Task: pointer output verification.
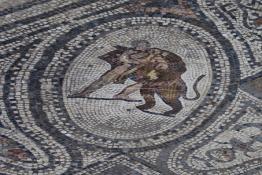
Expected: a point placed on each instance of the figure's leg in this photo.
(170, 96)
(128, 90)
(85, 91)
(176, 105)
(105, 79)
(148, 94)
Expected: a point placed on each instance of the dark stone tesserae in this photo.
(130, 87)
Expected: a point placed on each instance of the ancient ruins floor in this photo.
(130, 87)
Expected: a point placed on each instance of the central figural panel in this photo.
(137, 82)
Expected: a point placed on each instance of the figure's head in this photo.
(140, 44)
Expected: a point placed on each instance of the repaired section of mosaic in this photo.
(131, 87)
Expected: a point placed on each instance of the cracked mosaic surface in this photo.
(116, 87)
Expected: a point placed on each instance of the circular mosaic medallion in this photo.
(107, 116)
(138, 82)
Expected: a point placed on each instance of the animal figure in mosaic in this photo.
(154, 71)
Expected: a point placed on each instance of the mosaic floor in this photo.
(131, 87)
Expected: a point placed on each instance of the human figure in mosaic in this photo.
(154, 71)
(123, 61)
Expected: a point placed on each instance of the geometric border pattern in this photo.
(41, 38)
